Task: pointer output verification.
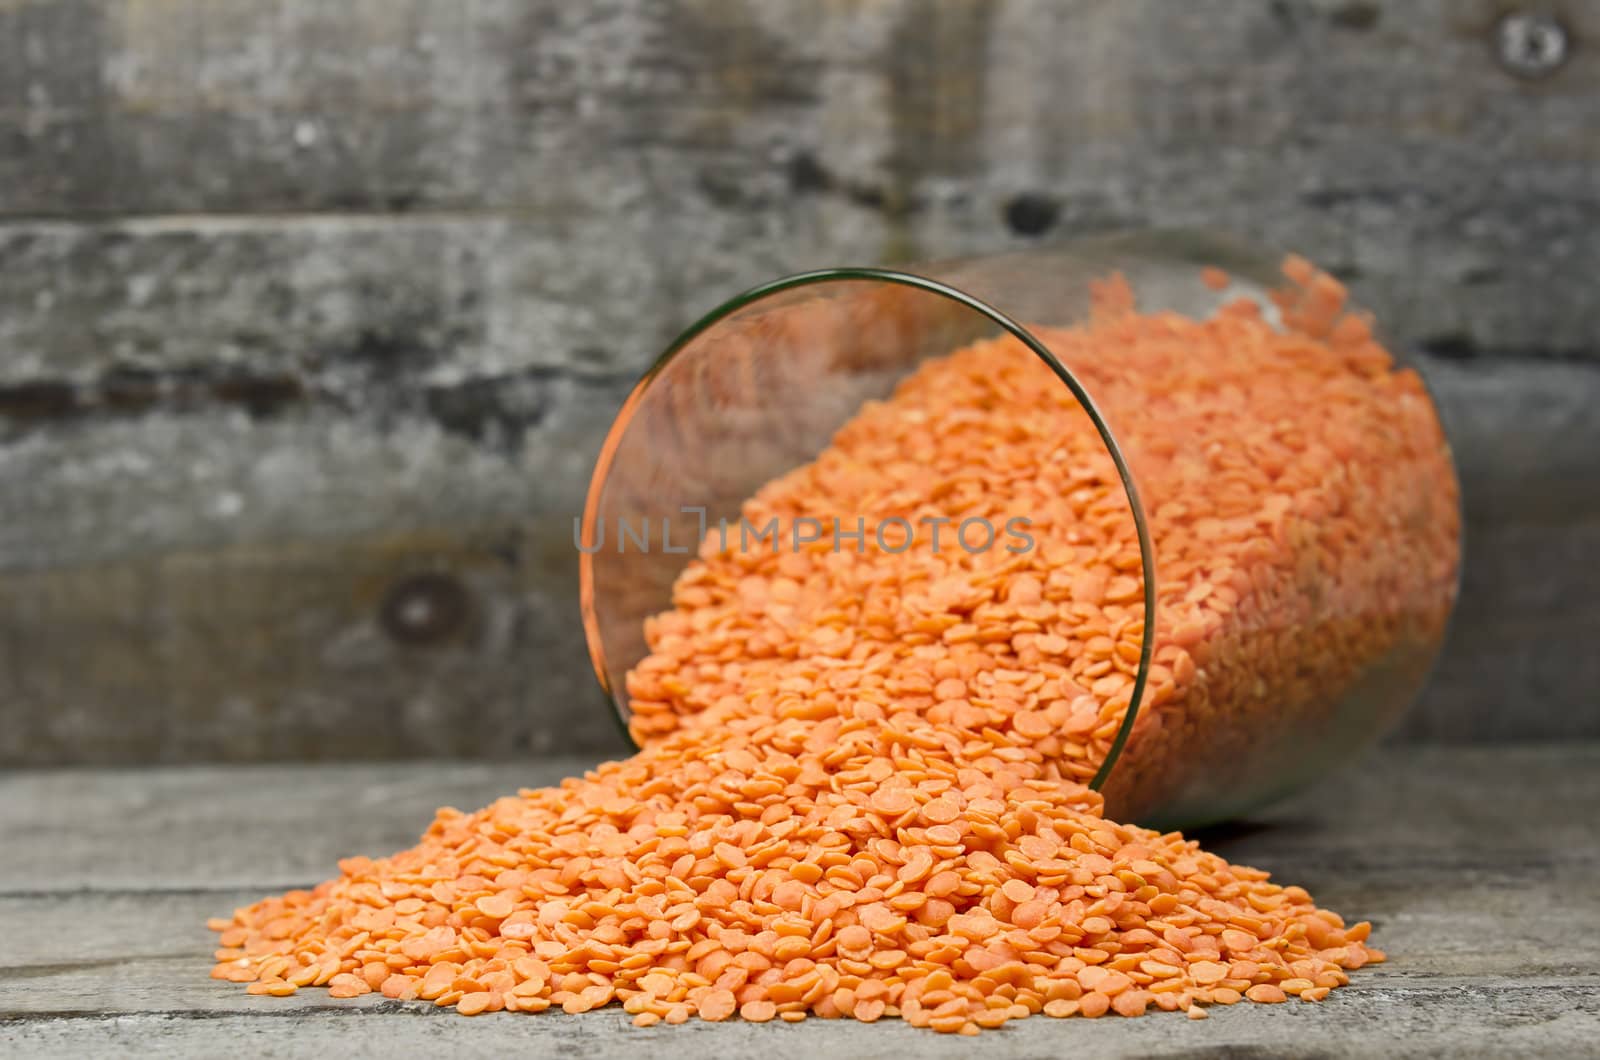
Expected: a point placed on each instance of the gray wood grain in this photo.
(230, 827)
(214, 586)
(1527, 449)
(721, 141)
(331, 303)
(1540, 1019)
(1477, 888)
(300, 301)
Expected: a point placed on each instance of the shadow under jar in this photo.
(1157, 506)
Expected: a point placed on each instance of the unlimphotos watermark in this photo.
(894, 535)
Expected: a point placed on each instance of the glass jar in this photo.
(1220, 527)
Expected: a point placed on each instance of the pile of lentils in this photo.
(863, 790)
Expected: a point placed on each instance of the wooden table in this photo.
(1479, 867)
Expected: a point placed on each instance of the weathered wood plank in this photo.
(383, 646)
(121, 106)
(299, 301)
(1522, 635)
(213, 585)
(236, 827)
(1455, 1020)
(741, 139)
(404, 458)
(1527, 447)
(63, 950)
(230, 573)
(231, 828)
(604, 291)
(1482, 903)
(342, 301)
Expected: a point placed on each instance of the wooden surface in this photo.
(300, 301)
(349, 162)
(1476, 866)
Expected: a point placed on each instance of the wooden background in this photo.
(312, 314)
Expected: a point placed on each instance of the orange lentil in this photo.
(862, 785)
(1094, 1004)
(1017, 890)
(1131, 1003)
(1268, 456)
(717, 1005)
(497, 906)
(757, 1011)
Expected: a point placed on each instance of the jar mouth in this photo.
(635, 400)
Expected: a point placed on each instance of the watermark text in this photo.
(894, 535)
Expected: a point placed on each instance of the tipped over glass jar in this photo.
(1160, 504)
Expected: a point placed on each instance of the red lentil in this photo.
(1300, 499)
(861, 789)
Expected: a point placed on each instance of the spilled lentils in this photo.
(1305, 522)
(861, 790)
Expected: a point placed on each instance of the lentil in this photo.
(1299, 496)
(861, 789)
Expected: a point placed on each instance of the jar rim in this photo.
(796, 281)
